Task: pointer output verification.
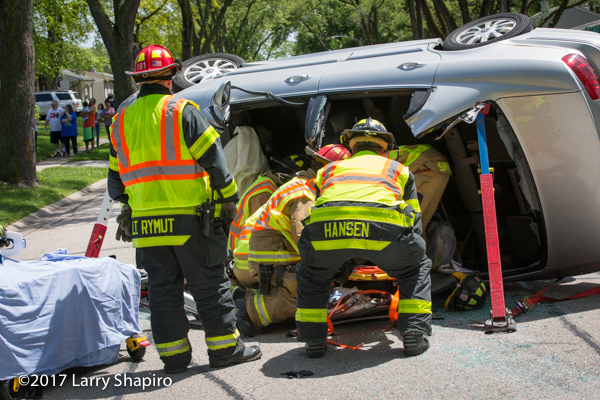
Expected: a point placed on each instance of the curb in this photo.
(52, 212)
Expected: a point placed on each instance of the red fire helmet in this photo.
(153, 58)
(334, 152)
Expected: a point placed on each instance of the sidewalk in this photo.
(68, 223)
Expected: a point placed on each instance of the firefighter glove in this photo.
(124, 229)
(228, 211)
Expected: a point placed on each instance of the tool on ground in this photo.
(500, 319)
(99, 231)
(526, 304)
(297, 374)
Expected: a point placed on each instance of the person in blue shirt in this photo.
(69, 130)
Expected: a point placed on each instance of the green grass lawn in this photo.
(100, 153)
(55, 184)
(46, 149)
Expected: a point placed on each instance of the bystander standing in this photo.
(69, 130)
(98, 120)
(108, 113)
(53, 119)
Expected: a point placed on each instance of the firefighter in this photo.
(367, 208)
(431, 172)
(167, 169)
(272, 247)
(255, 196)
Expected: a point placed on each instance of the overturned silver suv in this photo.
(543, 134)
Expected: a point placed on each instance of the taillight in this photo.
(586, 74)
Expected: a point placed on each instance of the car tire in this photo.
(474, 34)
(206, 66)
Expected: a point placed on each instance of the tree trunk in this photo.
(485, 8)
(464, 11)
(420, 20)
(524, 6)
(503, 6)
(188, 31)
(413, 19)
(17, 77)
(118, 40)
(431, 24)
(445, 15)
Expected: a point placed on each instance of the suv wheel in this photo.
(206, 66)
(487, 30)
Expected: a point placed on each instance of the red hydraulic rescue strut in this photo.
(501, 319)
(99, 231)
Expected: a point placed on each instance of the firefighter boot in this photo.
(250, 353)
(315, 349)
(415, 343)
(244, 323)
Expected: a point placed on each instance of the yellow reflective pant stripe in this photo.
(263, 257)
(204, 142)
(410, 306)
(172, 348)
(311, 314)
(113, 163)
(373, 214)
(261, 310)
(338, 244)
(222, 342)
(160, 241)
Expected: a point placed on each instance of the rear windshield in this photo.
(43, 97)
(64, 96)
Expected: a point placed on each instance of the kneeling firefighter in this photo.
(255, 196)
(366, 207)
(273, 253)
(163, 152)
(431, 171)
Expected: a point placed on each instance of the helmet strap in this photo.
(370, 146)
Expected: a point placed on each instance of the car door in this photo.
(44, 102)
(407, 65)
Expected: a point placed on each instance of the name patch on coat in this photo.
(156, 226)
(346, 228)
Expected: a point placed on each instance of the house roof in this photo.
(101, 76)
(71, 74)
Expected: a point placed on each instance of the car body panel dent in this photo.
(563, 157)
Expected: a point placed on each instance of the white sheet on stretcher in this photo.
(65, 311)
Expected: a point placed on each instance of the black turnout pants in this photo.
(200, 262)
(403, 259)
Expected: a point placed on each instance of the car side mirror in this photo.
(219, 104)
(316, 115)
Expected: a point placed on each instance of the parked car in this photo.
(542, 131)
(45, 98)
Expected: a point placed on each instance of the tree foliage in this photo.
(59, 27)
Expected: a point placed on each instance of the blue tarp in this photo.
(65, 311)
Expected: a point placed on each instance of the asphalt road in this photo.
(554, 354)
